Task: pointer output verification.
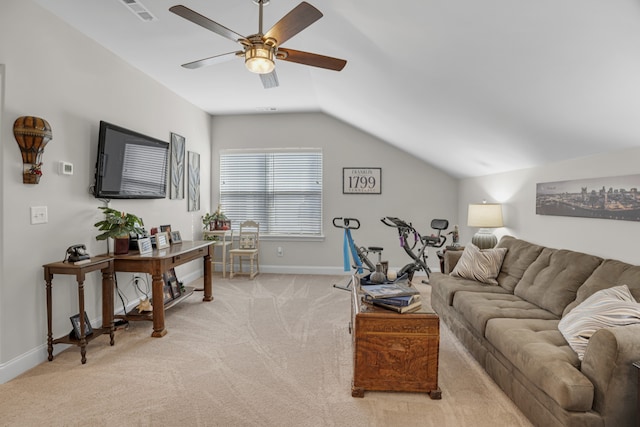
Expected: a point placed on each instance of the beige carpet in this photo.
(274, 351)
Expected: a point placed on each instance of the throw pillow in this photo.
(605, 308)
(481, 265)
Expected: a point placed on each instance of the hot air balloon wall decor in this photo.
(32, 135)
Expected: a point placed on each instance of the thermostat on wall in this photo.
(65, 168)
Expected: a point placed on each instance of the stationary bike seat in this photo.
(375, 248)
(431, 239)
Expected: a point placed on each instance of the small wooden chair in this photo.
(248, 246)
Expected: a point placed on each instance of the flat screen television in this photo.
(130, 165)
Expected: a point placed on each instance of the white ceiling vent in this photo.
(139, 10)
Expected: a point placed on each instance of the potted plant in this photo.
(216, 221)
(118, 225)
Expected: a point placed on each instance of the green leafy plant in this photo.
(210, 218)
(118, 224)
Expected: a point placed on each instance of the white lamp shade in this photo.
(485, 215)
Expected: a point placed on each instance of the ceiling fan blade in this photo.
(205, 22)
(312, 59)
(269, 80)
(293, 22)
(211, 60)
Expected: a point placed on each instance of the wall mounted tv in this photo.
(130, 165)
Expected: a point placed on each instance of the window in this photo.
(280, 189)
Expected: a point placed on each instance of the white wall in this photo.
(517, 190)
(411, 189)
(54, 72)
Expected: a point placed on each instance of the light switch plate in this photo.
(39, 215)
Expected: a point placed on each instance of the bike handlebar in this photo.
(391, 221)
(346, 223)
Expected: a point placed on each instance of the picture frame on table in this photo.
(166, 228)
(162, 240)
(168, 296)
(171, 279)
(75, 322)
(145, 246)
(175, 237)
(175, 289)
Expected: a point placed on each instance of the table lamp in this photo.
(486, 216)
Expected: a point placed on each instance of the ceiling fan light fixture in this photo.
(259, 59)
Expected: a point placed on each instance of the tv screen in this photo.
(130, 165)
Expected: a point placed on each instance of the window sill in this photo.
(291, 238)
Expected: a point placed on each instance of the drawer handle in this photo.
(177, 257)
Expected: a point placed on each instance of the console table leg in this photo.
(107, 302)
(357, 391)
(49, 323)
(83, 326)
(157, 285)
(208, 276)
(435, 394)
(83, 352)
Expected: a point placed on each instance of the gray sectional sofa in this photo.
(512, 330)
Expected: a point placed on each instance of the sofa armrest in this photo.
(451, 258)
(608, 363)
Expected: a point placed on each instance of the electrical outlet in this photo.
(280, 251)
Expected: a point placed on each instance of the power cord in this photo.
(136, 282)
(120, 294)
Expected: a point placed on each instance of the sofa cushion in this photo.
(520, 254)
(445, 286)
(609, 274)
(481, 265)
(539, 351)
(552, 280)
(606, 308)
(478, 308)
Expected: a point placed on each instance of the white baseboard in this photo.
(24, 362)
(38, 355)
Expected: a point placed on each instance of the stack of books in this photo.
(393, 296)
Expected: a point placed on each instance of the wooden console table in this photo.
(392, 351)
(102, 263)
(159, 262)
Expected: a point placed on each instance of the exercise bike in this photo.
(407, 232)
(359, 254)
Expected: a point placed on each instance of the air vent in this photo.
(139, 10)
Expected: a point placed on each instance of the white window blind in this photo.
(282, 190)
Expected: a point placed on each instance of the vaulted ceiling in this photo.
(473, 87)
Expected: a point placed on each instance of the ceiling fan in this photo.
(260, 50)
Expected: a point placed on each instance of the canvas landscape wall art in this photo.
(606, 198)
